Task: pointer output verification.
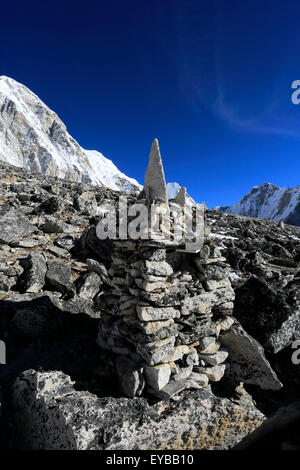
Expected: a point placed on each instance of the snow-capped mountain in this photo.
(269, 201)
(172, 190)
(33, 137)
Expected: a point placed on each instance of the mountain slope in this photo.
(269, 201)
(33, 137)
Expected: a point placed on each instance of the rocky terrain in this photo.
(54, 273)
(269, 201)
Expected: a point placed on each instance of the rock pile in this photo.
(165, 307)
(163, 313)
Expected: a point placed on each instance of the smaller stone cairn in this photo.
(165, 305)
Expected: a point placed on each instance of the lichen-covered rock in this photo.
(35, 268)
(86, 203)
(51, 414)
(14, 226)
(89, 286)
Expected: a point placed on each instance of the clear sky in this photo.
(211, 79)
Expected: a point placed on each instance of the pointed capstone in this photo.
(181, 197)
(155, 183)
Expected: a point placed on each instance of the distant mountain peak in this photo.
(32, 136)
(269, 201)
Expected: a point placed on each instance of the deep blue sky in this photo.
(211, 79)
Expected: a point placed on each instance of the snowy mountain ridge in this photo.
(32, 136)
(269, 201)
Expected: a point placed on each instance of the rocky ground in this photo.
(52, 272)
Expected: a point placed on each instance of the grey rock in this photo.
(181, 197)
(155, 184)
(192, 359)
(89, 287)
(170, 390)
(265, 313)
(183, 374)
(206, 342)
(66, 242)
(201, 379)
(214, 373)
(214, 359)
(77, 305)
(6, 283)
(53, 225)
(50, 206)
(86, 203)
(148, 313)
(158, 268)
(14, 226)
(214, 272)
(203, 303)
(27, 243)
(158, 376)
(59, 278)
(155, 352)
(247, 360)
(177, 353)
(50, 414)
(130, 376)
(35, 268)
(95, 266)
(162, 333)
(58, 252)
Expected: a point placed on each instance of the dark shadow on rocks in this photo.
(68, 345)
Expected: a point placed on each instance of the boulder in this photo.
(35, 268)
(59, 278)
(54, 225)
(86, 203)
(272, 317)
(14, 226)
(247, 360)
(51, 415)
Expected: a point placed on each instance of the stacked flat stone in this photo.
(162, 314)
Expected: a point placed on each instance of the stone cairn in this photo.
(165, 306)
